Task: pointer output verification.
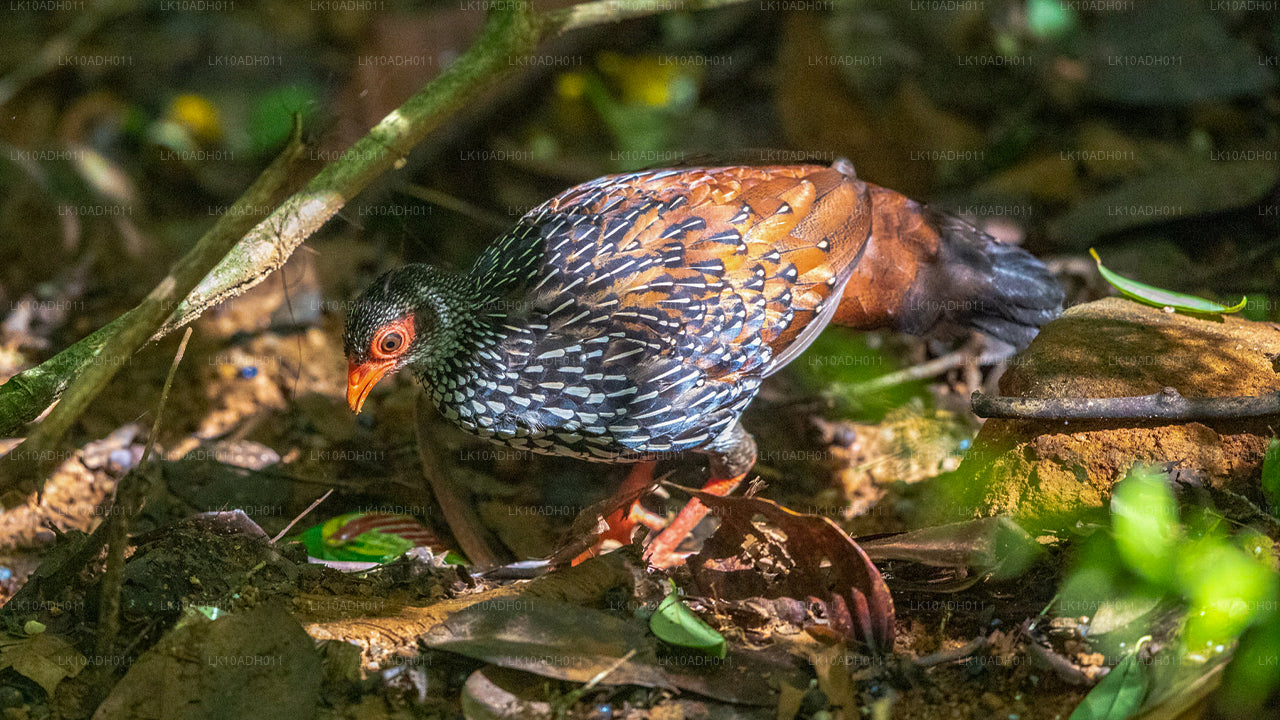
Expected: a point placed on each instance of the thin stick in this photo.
(600, 676)
(1168, 404)
(607, 11)
(164, 396)
(303, 514)
(462, 207)
(946, 656)
(923, 371)
(128, 501)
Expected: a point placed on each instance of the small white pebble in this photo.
(121, 458)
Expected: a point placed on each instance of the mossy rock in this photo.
(1046, 473)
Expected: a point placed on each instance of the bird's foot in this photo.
(661, 551)
(620, 526)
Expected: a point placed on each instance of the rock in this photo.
(1045, 473)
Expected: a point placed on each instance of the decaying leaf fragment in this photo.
(797, 556)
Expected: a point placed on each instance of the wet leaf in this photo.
(496, 693)
(1119, 695)
(1163, 298)
(1117, 614)
(1176, 185)
(673, 622)
(996, 545)
(256, 663)
(567, 642)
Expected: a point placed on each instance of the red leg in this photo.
(622, 522)
(732, 455)
(661, 551)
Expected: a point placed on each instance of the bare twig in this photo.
(945, 656)
(924, 371)
(128, 501)
(164, 397)
(462, 207)
(1168, 404)
(301, 515)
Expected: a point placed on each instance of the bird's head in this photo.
(406, 317)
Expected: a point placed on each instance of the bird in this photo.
(634, 317)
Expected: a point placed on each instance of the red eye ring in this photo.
(392, 339)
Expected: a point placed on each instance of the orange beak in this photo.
(362, 378)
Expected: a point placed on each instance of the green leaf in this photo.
(1119, 695)
(453, 558)
(1163, 298)
(1144, 517)
(1251, 678)
(1049, 18)
(1271, 475)
(673, 622)
(1228, 590)
(271, 119)
(213, 612)
(327, 541)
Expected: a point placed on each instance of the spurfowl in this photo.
(634, 316)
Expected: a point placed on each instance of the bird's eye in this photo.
(391, 343)
(392, 340)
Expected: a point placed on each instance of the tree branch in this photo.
(605, 11)
(1168, 404)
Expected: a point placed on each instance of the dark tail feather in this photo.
(928, 271)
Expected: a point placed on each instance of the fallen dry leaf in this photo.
(45, 659)
(798, 556)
